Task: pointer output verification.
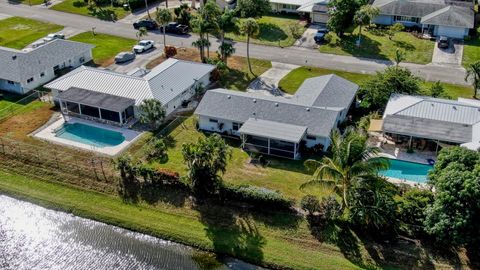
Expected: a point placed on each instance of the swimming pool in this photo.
(406, 170)
(90, 135)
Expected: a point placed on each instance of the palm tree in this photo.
(226, 22)
(250, 28)
(210, 12)
(148, 11)
(163, 17)
(226, 50)
(473, 72)
(352, 161)
(142, 32)
(152, 112)
(200, 26)
(363, 17)
(399, 57)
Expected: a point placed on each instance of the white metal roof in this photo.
(164, 82)
(273, 130)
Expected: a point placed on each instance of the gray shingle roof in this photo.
(273, 130)
(96, 99)
(326, 91)
(23, 65)
(450, 16)
(463, 16)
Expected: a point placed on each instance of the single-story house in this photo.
(439, 120)
(277, 125)
(316, 10)
(451, 18)
(114, 97)
(24, 70)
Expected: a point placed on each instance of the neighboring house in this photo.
(280, 126)
(316, 10)
(114, 97)
(24, 70)
(449, 18)
(441, 121)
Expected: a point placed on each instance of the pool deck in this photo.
(47, 133)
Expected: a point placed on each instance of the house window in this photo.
(212, 120)
(236, 126)
(406, 19)
(30, 80)
(313, 138)
(42, 74)
(11, 82)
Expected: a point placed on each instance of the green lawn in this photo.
(239, 77)
(12, 104)
(28, 2)
(106, 46)
(268, 240)
(17, 32)
(471, 51)
(80, 7)
(375, 44)
(295, 78)
(274, 31)
(281, 175)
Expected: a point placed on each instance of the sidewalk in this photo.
(267, 83)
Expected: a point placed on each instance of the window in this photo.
(11, 82)
(42, 74)
(236, 126)
(313, 138)
(406, 19)
(30, 80)
(212, 120)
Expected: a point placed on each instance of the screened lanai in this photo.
(95, 105)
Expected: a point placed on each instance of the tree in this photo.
(412, 210)
(142, 32)
(225, 50)
(200, 26)
(296, 30)
(205, 160)
(374, 93)
(437, 90)
(182, 14)
(250, 28)
(455, 213)
(226, 22)
(394, 29)
(210, 12)
(399, 57)
(148, 11)
(252, 8)
(151, 112)
(473, 73)
(156, 150)
(341, 13)
(363, 17)
(352, 161)
(163, 17)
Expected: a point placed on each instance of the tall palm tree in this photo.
(352, 161)
(473, 73)
(200, 26)
(142, 32)
(250, 28)
(163, 17)
(363, 17)
(148, 11)
(226, 22)
(226, 50)
(210, 12)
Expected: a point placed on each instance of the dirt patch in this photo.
(19, 126)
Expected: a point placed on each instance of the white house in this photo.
(277, 125)
(316, 10)
(114, 97)
(23, 70)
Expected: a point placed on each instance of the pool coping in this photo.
(404, 181)
(47, 133)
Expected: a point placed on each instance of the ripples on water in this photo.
(33, 237)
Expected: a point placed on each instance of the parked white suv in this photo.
(143, 45)
(51, 37)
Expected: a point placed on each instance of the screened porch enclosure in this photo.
(96, 106)
(270, 146)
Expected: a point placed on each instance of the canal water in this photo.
(33, 237)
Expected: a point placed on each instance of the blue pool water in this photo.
(405, 170)
(90, 135)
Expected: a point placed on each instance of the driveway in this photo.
(449, 56)
(306, 40)
(267, 83)
(140, 61)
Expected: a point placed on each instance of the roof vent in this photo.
(433, 105)
(171, 89)
(276, 104)
(455, 107)
(307, 109)
(229, 97)
(254, 100)
(254, 113)
(14, 57)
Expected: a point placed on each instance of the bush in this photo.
(310, 204)
(136, 4)
(215, 75)
(330, 209)
(412, 211)
(156, 150)
(328, 37)
(170, 51)
(261, 198)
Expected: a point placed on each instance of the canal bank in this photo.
(272, 241)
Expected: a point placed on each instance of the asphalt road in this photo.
(290, 55)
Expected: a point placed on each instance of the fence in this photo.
(20, 105)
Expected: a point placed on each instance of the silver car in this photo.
(124, 57)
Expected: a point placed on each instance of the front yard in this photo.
(17, 32)
(80, 7)
(274, 31)
(295, 78)
(376, 44)
(106, 46)
(471, 51)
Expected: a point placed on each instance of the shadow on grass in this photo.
(236, 79)
(103, 14)
(404, 45)
(271, 32)
(154, 193)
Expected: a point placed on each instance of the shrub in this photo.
(156, 150)
(170, 51)
(215, 75)
(261, 198)
(328, 37)
(412, 211)
(296, 30)
(330, 209)
(310, 204)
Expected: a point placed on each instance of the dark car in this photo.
(149, 24)
(320, 35)
(175, 28)
(124, 57)
(443, 42)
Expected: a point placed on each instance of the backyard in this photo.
(292, 81)
(107, 13)
(106, 46)
(274, 31)
(376, 44)
(17, 32)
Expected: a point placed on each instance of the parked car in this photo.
(147, 23)
(124, 57)
(51, 37)
(175, 28)
(443, 42)
(143, 46)
(320, 35)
